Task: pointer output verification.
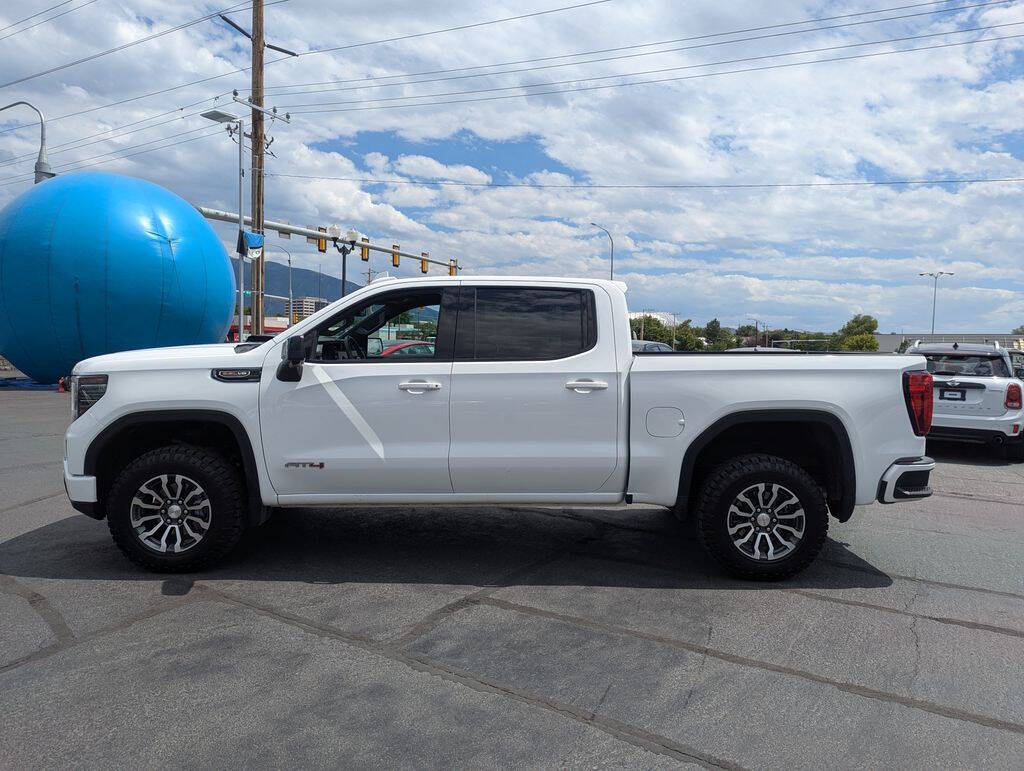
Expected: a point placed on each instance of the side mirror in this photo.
(294, 350)
(293, 353)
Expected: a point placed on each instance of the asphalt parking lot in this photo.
(528, 636)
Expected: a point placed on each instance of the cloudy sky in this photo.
(679, 169)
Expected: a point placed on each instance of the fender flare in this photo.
(846, 465)
(105, 437)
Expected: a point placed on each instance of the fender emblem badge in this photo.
(304, 464)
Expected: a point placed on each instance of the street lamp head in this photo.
(219, 116)
(352, 236)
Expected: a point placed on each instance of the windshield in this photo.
(966, 364)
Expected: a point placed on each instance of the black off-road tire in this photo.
(732, 477)
(218, 476)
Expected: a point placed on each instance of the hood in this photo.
(175, 357)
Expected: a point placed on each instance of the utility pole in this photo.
(370, 273)
(259, 150)
(258, 155)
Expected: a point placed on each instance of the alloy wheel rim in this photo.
(766, 522)
(170, 513)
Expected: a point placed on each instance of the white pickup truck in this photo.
(499, 390)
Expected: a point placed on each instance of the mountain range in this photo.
(305, 283)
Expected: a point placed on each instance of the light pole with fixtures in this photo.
(611, 269)
(219, 116)
(42, 167)
(935, 291)
(346, 248)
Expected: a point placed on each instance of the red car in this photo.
(410, 348)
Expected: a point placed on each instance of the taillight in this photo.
(917, 389)
(1013, 397)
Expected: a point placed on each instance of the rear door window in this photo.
(524, 323)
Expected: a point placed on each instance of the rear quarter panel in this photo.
(865, 392)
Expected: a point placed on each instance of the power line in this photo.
(454, 29)
(246, 69)
(660, 70)
(666, 186)
(75, 144)
(131, 147)
(81, 143)
(11, 180)
(239, 70)
(123, 46)
(649, 82)
(38, 13)
(43, 21)
(363, 81)
(709, 35)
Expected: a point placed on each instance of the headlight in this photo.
(86, 390)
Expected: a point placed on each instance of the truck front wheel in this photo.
(177, 508)
(762, 517)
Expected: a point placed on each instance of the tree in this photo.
(651, 328)
(713, 332)
(1019, 330)
(858, 325)
(862, 341)
(686, 337)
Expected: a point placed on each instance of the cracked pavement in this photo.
(510, 636)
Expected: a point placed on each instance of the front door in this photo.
(535, 400)
(365, 419)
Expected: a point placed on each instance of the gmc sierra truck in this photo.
(525, 390)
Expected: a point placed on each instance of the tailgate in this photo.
(970, 397)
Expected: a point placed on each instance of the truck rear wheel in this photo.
(762, 517)
(177, 508)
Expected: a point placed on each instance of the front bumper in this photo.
(81, 491)
(906, 480)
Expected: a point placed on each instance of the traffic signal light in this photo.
(423, 262)
(394, 254)
(321, 243)
(364, 251)
(453, 267)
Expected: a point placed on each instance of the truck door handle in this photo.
(418, 387)
(585, 386)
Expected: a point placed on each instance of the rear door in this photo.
(534, 405)
(968, 384)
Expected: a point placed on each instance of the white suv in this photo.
(977, 394)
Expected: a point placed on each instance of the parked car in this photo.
(532, 395)
(410, 348)
(649, 346)
(977, 394)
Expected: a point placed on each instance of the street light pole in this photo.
(43, 171)
(219, 116)
(935, 290)
(611, 269)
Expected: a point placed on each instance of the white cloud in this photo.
(806, 257)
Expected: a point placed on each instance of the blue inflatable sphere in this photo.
(94, 263)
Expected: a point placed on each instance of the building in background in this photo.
(887, 343)
(306, 306)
